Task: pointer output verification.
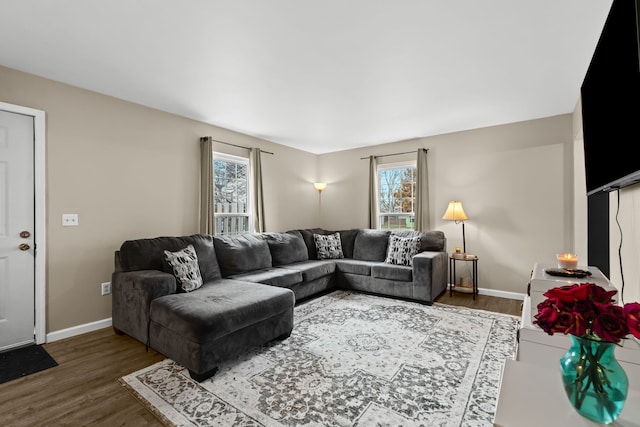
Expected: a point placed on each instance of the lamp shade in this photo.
(320, 185)
(455, 212)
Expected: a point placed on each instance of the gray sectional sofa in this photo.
(249, 284)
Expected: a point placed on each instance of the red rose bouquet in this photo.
(587, 310)
(594, 381)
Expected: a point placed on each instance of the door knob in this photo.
(25, 234)
(24, 247)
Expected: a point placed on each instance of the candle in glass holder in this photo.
(567, 261)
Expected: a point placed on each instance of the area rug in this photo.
(352, 360)
(24, 361)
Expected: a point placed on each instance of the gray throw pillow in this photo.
(185, 267)
(328, 246)
(402, 250)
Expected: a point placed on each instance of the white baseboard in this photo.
(501, 294)
(77, 330)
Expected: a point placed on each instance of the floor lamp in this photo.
(320, 186)
(456, 213)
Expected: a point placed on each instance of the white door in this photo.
(17, 277)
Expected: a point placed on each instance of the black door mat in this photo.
(24, 361)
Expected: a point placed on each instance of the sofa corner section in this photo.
(132, 293)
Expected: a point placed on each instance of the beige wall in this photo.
(132, 172)
(624, 232)
(515, 182)
(129, 172)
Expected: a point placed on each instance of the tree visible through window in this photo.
(231, 194)
(396, 198)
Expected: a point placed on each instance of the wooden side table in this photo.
(474, 274)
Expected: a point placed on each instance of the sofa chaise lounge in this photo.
(241, 290)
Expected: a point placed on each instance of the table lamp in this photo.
(455, 212)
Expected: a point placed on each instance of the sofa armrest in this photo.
(429, 275)
(132, 293)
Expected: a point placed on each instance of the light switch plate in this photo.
(69, 220)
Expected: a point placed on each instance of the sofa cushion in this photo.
(185, 268)
(148, 254)
(286, 248)
(274, 276)
(354, 266)
(313, 269)
(433, 240)
(219, 308)
(241, 253)
(328, 246)
(392, 272)
(402, 249)
(348, 239)
(371, 245)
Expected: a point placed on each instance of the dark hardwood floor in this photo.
(83, 390)
(483, 302)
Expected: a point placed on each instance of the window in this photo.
(231, 194)
(396, 197)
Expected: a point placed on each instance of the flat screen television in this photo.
(610, 95)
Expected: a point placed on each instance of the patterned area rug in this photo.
(352, 360)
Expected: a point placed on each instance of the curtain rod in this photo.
(235, 145)
(394, 154)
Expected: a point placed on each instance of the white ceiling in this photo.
(320, 76)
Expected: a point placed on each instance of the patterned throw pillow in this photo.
(328, 246)
(402, 249)
(185, 267)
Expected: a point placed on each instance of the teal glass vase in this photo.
(594, 381)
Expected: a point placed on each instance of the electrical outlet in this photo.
(105, 288)
(70, 220)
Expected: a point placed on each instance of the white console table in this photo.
(537, 347)
(531, 390)
(533, 396)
